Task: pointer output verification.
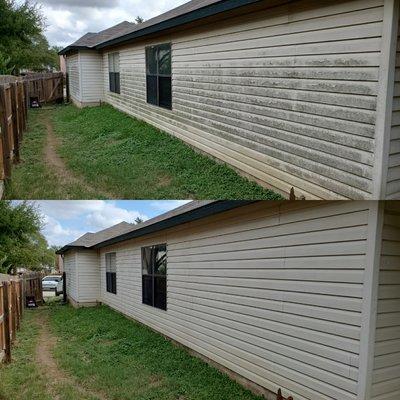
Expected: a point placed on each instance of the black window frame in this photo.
(154, 285)
(111, 276)
(113, 75)
(157, 81)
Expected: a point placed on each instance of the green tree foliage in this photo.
(22, 43)
(21, 242)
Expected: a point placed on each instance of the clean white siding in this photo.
(386, 376)
(92, 77)
(88, 276)
(287, 95)
(393, 184)
(71, 274)
(271, 292)
(73, 71)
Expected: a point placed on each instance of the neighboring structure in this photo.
(303, 296)
(292, 94)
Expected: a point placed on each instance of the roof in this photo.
(126, 31)
(125, 231)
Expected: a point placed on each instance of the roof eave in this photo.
(192, 215)
(67, 247)
(68, 49)
(201, 13)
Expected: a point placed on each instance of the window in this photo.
(111, 273)
(113, 71)
(158, 75)
(154, 276)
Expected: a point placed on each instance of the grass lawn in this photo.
(108, 354)
(115, 153)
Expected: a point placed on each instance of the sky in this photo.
(65, 221)
(68, 20)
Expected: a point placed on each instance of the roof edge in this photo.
(204, 12)
(188, 216)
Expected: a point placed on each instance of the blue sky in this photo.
(65, 221)
(68, 20)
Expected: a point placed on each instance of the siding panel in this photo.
(280, 316)
(287, 95)
(74, 77)
(92, 72)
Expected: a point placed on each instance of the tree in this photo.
(138, 220)
(139, 20)
(22, 43)
(21, 242)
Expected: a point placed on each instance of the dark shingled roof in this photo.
(177, 16)
(91, 39)
(124, 231)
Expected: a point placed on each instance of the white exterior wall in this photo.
(91, 67)
(272, 293)
(288, 95)
(386, 375)
(73, 70)
(88, 270)
(71, 274)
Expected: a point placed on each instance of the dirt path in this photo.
(53, 375)
(56, 163)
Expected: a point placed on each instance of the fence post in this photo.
(4, 132)
(6, 323)
(15, 119)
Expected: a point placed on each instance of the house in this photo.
(298, 296)
(293, 94)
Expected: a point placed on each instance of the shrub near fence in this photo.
(15, 96)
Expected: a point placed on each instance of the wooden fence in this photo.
(11, 306)
(13, 293)
(16, 95)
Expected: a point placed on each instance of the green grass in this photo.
(21, 379)
(125, 360)
(133, 160)
(32, 179)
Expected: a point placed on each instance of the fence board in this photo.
(13, 292)
(15, 96)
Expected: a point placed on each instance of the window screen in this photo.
(158, 75)
(111, 273)
(154, 276)
(113, 71)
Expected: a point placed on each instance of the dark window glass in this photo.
(111, 273)
(113, 72)
(158, 75)
(164, 59)
(154, 276)
(151, 60)
(152, 97)
(165, 94)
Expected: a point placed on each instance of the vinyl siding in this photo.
(71, 274)
(287, 95)
(92, 73)
(386, 376)
(89, 276)
(73, 70)
(393, 184)
(273, 293)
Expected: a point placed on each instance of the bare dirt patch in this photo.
(54, 376)
(57, 164)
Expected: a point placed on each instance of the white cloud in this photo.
(111, 215)
(56, 234)
(68, 20)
